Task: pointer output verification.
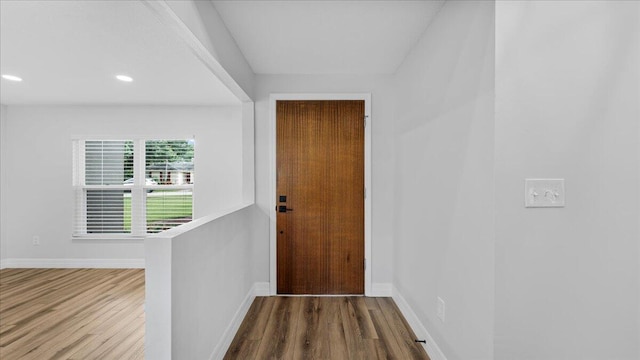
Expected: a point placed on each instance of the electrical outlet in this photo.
(441, 309)
(36, 241)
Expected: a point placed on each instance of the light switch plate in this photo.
(544, 193)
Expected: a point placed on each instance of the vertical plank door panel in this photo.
(320, 169)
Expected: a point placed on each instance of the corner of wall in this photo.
(431, 347)
(381, 290)
(3, 184)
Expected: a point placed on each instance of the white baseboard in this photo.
(421, 332)
(74, 263)
(258, 289)
(381, 290)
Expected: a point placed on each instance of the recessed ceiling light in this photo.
(124, 78)
(11, 77)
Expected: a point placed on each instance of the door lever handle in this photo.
(283, 209)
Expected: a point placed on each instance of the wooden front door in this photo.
(320, 196)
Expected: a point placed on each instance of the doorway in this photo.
(321, 209)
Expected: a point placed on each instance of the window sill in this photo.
(109, 237)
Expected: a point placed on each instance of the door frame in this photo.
(273, 98)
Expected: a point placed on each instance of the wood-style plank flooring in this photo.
(71, 314)
(324, 328)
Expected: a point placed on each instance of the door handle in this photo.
(283, 209)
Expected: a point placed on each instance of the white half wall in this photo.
(567, 106)
(444, 198)
(382, 154)
(38, 165)
(200, 283)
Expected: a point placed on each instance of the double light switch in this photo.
(544, 193)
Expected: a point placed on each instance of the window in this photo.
(132, 187)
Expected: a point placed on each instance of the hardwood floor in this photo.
(324, 328)
(71, 314)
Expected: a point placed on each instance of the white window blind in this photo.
(132, 187)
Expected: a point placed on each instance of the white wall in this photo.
(443, 217)
(248, 153)
(39, 164)
(199, 284)
(382, 154)
(3, 176)
(567, 95)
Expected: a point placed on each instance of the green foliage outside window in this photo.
(159, 151)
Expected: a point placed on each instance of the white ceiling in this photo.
(68, 52)
(326, 37)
